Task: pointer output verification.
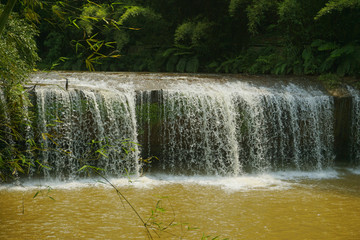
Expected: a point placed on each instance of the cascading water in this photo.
(79, 127)
(286, 127)
(227, 128)
(199, 133)
(194, 125)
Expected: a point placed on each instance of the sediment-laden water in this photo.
(281, 205)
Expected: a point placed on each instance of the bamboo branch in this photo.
(5, 14)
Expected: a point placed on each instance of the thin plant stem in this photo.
(121, 196)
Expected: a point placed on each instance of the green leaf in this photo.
(37, 193)
(192, 65)
(74, 23)
(168, 52)
(42, 165)
(180, 67)
(102, 152)
(307, 54)
(85, 167)
(171, 63)
(346, 50)
(327, 46)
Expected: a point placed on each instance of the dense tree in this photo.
(255, 36)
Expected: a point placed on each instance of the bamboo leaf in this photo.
(43, 136)
(36, 194)
(42, 165)
(102, 153)
(74, 23)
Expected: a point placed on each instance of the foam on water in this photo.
(250, 182)
(235, 184)
(354, 170)
(300, 175)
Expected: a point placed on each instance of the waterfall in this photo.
(196, 124)
(225, 129)
(199, 133)
(79, 127)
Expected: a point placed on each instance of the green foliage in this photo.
(5, 13)
(192, 41)
(289, 42)
(17, 59)
(192, 65)
(234, 6)
(133, 12)
(337, 5)
(44, 193)
(92, 13)
(235, 36)
(181, 59)
(231, 65)
(264, 64)
(193, 33)
(95, 35)
(256, 13)
(331, 57)
(184, 33)
(18, 50)
(330, 81)
(291, 17)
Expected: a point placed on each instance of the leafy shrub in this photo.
(330, 81)
(17, 60)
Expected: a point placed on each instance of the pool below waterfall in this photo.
(278, 205)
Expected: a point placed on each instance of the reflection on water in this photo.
(282, 205)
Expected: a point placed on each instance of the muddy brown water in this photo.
(285, 205)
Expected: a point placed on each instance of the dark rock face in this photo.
(342, 129)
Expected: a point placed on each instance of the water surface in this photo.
(281, 205)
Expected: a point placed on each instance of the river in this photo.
(278, 205)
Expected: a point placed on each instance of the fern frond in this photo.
(192, 65)
(171, 63)
(180, 67)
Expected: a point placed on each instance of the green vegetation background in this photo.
(225, 36)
